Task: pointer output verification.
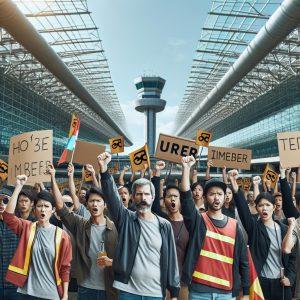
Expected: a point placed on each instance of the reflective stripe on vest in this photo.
(214, 265)
(24, 270)
(58, 236)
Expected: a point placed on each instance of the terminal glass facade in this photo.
(22, 110)
(255, 126)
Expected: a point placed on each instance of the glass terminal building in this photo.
(244, 84)
(54, 67)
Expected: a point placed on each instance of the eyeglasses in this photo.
(4, 200)
(69, 204)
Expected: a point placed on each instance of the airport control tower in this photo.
(149, 102)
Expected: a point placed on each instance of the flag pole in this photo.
(169, 174)
(118, 161)
(199, 165)
(73, 153)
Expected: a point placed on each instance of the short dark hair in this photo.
(94, 190)
(84, 188)
(195, 184)
(168, 187)
(265, 195)
(30, 194)
(46, 196)
(66, 192)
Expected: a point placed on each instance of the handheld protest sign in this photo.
(172, 148)
(230, 157)
(203, 138)
(30, 154)
(116, 144)
(139, 158)
(270, 175)
(289, 148)
(86, 153)
(3, 170)
(74, 122)
(87, 176)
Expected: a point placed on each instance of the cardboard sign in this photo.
(172, 148)
(74, 122)
(3, 170)
(116, 145)
(289, 148)
(139, 159)
(230, 157)
(86, 153)
(271, 175)
(87, 176)
(203, 138)
(30, 154)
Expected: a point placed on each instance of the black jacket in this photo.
(288, 207)
(129, 229)
(259, 240)
(197, 230)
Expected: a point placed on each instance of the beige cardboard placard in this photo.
(203, 138)
(230, 157)
(270, 174)
(289, 148)
(172, 148)
(139, 159)
(116, 144)
(3, 170)
(86, 153)
(30, 153)
(87, 176)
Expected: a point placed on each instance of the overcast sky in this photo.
(142, 37)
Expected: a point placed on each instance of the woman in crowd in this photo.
(228, 209)
(41, 264)
(276, 270)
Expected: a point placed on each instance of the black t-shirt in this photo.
(181, 236)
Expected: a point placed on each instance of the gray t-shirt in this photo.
(145, 276)
(272, 266)
(95, 280)
(41, 278)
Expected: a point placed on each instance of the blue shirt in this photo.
(8, 244)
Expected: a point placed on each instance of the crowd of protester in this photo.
(150, 238)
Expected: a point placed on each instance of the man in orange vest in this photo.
(216, 263)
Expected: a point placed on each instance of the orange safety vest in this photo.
(214, 265)
(25, 268)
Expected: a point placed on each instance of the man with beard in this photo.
(217, 256)
(145, 262)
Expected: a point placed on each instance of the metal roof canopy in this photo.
(212, 106)
(109, 119)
